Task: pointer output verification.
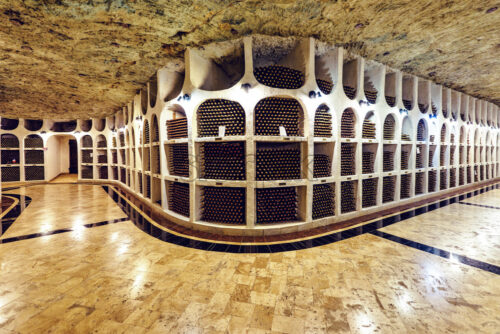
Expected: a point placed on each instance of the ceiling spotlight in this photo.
(312, 94)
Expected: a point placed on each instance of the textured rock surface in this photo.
(75, 59)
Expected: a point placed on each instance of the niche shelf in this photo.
(275, 112)
(432, 156)
(369, 192)
(369, 155)
(9, 124)
(323, 122)
(100, 124)
(348, 195)
(222, 161)
(63, 126)
(178, 195)
(323, 200)
(390, 88)
(372, 77)
(326, 67)
(219, 117)
(177, 126)
(348, 124)
(177, 159)
(278, 161)
(86, 125)
(408, 92)
(87, 172)
(424, 95)
(443, 179)
(369, 126)
(388, 188)
(350, 74)
(419, 183)
(389, 152)
(405, 156)
(389, 127)
(347, 159)
(405, 190)
(323, 153)
(279, 205)
(33, 124)
(221, 205)
(431, 181)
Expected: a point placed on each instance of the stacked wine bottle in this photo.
(371, 96)
(347, 196)
(368, 129)
(443, 181)
(177, 128)
(442, 156)
(215, 113)
(368, 162)
(178, 159)
(323, 200)
(461, 176)
(347, 124)
(350, 92)
(423, 107)
(453, 177)
(34, 173)
(325, 86)
(420, 157)
(405, 160)
(391, 100)
(277, 162)
(139, 180)
(123, 175)
(114, 157)
(278, 76)
(178, 198)
(87, 156)
(273, 112)
(431, 186)
(419, 183)
(405, 186)
(388, 188)
(155, 160)
(223, 161)
(33, 157)
(347, 159)
(323, 122)
(275, 205)
(223, 205)
(388, 163)
(389, 128)
(87, 172)
(322, 165)
(432, 150)
(421, 131)
(469, 174)
(369, 192)
(408, 104)
(103, 172)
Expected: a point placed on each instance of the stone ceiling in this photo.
(66, 59)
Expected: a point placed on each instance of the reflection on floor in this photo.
(65, 178)
(117, 279)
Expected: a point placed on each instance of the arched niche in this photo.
(143, 98)
(62, 126)
(101, 141)
(477, 137)
(217, 66)
(463, 107)
(33, 124)
(215, 113)
(111, 122)
(422, 131)
(121, 138)
(155, 131)
(323, 122)
(86, 125)
(372, 81)
(389, 127)
(406, 129)
(455, 101)
(348, 124)
(446, 102)
(152, 90)
(272, 112)
(369, 130)
(177, 124)
(326, 67)
(436, 98)
(100, 124)
(408, 91)
(33, 141)
(145, 133)
(462, 135)
(9, 124)
(170, 82)
(350, 74)
(477, 113)
(390, 87)
(279, 62)
(87, 141)
(424, 95)
(9, 141)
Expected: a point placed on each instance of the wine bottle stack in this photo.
(113, 141)
(368, 129)
(408, 104)
(347, 197)
(122, 156)
(388, 163)
(155, 133)
(33, 173)
(103, 172)
(277, 163)
(155, 159)
(347, 159)
(405, 137)
(371, 96)
(114, 157)
(388, 188)
(369, 192)
(87, 172)
(431, 186)
(178, 159)
(323, 122)
(273, 112)
(419, 157)
(123, 175)
(33, 157)
(423, 108)
(481, 173)
(350, 92)
(468, 155)
(461, 176)
(275, 205)
(389, 128)
(469, 175)
(325, 86)
(218, 112)
(432, 150)
(223, 205)
(139, 179)
(323, 200)
(419, 183)
(434, 109)
(33, 142)
(443, 135)
(461, 155)
(347, 125)
(122, 139)
(128, 177)
(148, 186)
(86, 141)
(177, 128)
(453, 177)
(405, 186)
(391, 100)
(322, 166)
(178, 198)
(452, 138)
(442, 156)
(87, 156)
(443, 181)
(405, 160)
(114, 172)
(421, 131)
(452, 154)
(278, 76)
(223, 161)
(368, 162)
(102, 158)
(10, 174)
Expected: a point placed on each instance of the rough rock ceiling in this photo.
(78, 59)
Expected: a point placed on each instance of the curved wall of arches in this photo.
(277, 142)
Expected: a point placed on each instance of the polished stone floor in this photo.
(117, 279)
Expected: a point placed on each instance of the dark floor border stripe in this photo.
(439, 252)
(11, 216)
(139, 219)
(481, 205)
(59, 231)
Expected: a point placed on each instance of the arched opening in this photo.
(275, 114)
(348, 124)
(170, 83)
(443, 133)
(219, 118)
(145, 133)
(390, 88)
(350, 73)
(323, 122)
(369, 126)
(326, 67)
(143, 96)
(111, 122)
(424, 95)
(34, 160)
(155, 132)
(389, 127)
(33, 124)
(436, 98)
(455, 100)
(152, 90)
(61, 158)
(372, 81)
(422, 134)
(86, 125)
(100, 124)
(10, 158)
(446, 101)
(177, 126)
(9, 124)
(63, 126)
(87, 141)
(408, 91)
(463, 107)
(406, 129)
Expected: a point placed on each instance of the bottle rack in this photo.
(139, 182)
(123, 175)
(214, 113)
(9, 124)
(178, 159)
(347, 159)
(323, 200)
(461, 176)
(443, 179)
(368, 129)
(348, 191)
(34, 173)
(33, 157)
(405, 190)
(33, 141)
(87, 172)
(452, 154)
(323, 122)
(277, 205)
(442, 156)
(146, 135)
(156, 191)
(223, 161)
(177, 128)
(102, 156)
(432, 180)
(419, 183)
(155, 159)
(114, 173)
(146, 159)
(453, 178)
(421, 131)
(388, 157)
(469, 174)
(368, 158)
(103, 172)
(278, 76)
(347, 124)
(10, 174)
(388, 188)
(322, 160)
(178, 197)
(87, 156)
(369, 192)
(389, 127)
(420, 156)
(405, 157)
(147, 188)
(432, 151)
(223, 205)
(273, 112)
(121, 153)
(114, 157)
(278, 161)
(325, 86)
(121, 139)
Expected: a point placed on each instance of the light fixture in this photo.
(312, 94)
